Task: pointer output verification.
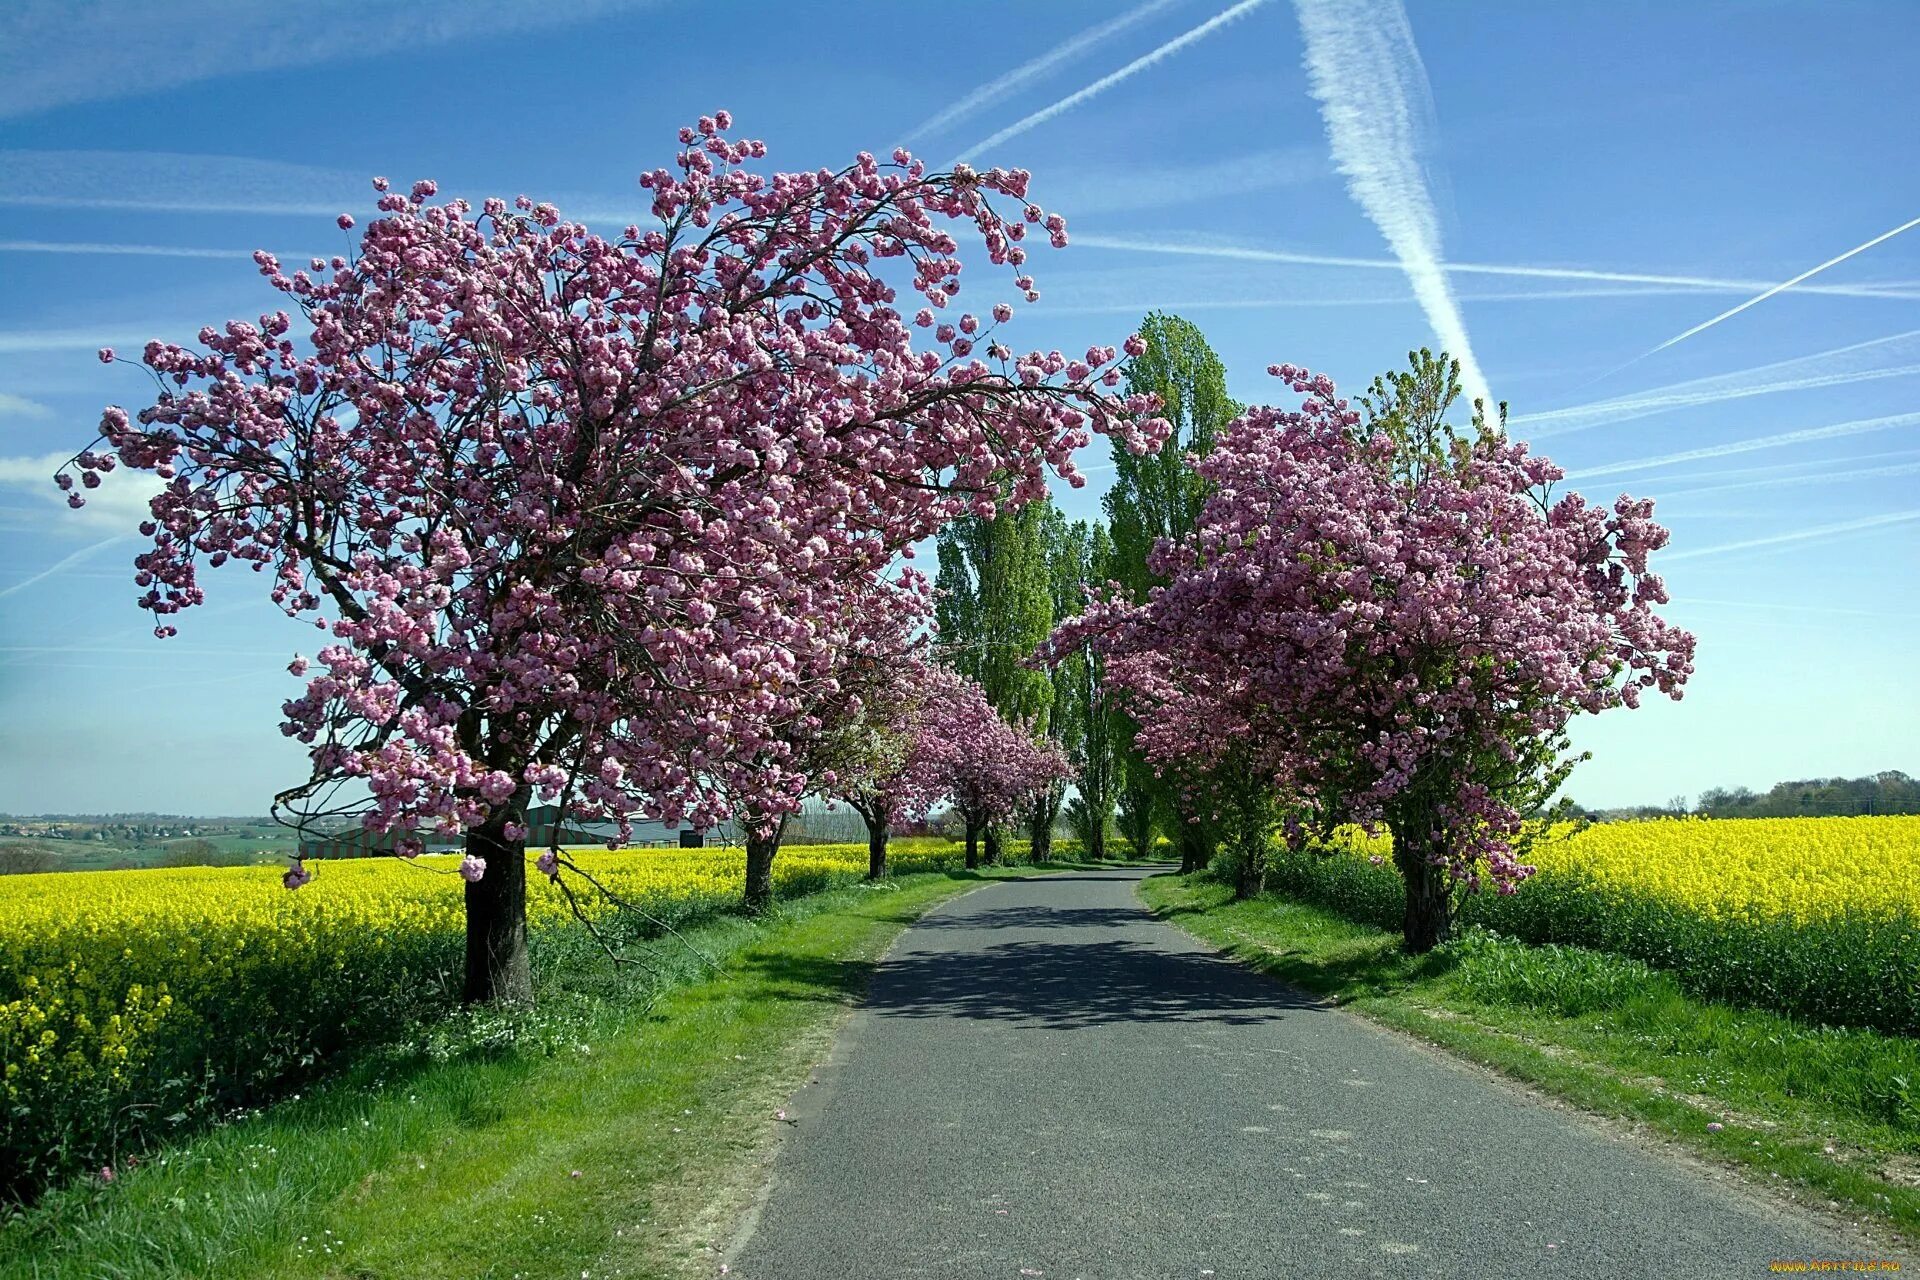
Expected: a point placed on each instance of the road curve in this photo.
(1047, 1081)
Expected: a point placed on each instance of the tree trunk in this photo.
(876, 847)
(1429, 916)
(1041, 848)
(973, 844)
(994, 848)
(1194, 854)
(498, 971)
(1097, 841)
(762, 844)
(1253, 868)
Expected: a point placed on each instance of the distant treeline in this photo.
(1880, 793)
(1889, 792)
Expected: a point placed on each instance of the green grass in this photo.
(456, 1156)
(1831, 1114)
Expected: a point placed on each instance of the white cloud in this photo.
(118, 505)
(12, 406)
(1372, 87)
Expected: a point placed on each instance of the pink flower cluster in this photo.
(972, 758)
(1389, 642)
(592, 517)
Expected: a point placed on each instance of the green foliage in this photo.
(1159, 495)
(996, 607)
(1137, 822)
(1887, 792)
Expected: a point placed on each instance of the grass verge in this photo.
(1827, 1114)
(615, 1132)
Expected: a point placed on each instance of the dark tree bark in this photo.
(1041, 826)
(995, 849)
(762, 844)
(1429, 915)
(973, 844)
(498, 971)
(1097, 842)
(876, 844)
(1252, 872)
(1196, 849)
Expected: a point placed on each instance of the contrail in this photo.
(1857, 427)
(1240, 253)
(1027, 72)
(1107, 82)
(73, 559)
(1812, 477)
(1799, 373)
(1293, 302)
(1366, 73)
(1792, 608)
(1802, 535)
(1785, 285)
(134, 250)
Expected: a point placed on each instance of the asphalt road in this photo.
(1046, 1081)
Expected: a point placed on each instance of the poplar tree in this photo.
(1159, 495)
(995, 608)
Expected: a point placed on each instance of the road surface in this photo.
(1047, 1081)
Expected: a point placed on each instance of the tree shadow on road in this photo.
(1039, 917)
(1080, 984)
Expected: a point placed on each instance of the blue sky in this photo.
(1563, 187)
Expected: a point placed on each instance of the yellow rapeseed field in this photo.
(1800, 868)
(199, 984)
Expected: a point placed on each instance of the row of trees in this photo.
(1361, 612)
(615, 522)
(1890, 791)
(611, 521)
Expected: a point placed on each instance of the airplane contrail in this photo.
(1800, 535)
(1027, 72)
(58, 565)
(1859, 426)
(1311, 301)
(1835, 367)
(1241, 253)
(1366, 73)
(1106, 82)
(135, 250)
(1785, 285)
(1811, 477)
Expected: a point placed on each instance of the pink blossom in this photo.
(472, 868)
(599, 514)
